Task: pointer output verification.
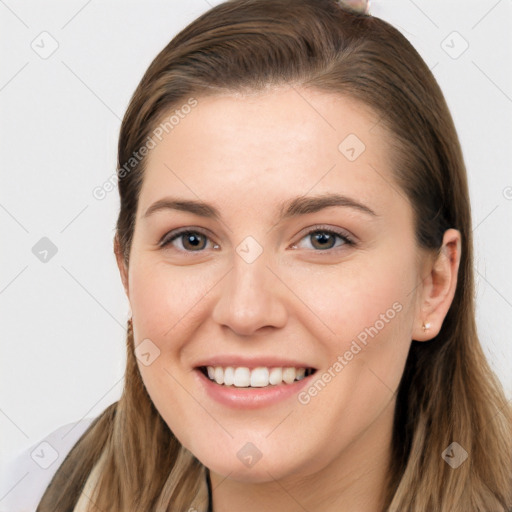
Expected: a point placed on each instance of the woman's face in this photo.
(305, 257)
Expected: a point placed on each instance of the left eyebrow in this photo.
(301, 205)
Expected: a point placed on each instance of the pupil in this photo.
(193, 240)
(322, 237)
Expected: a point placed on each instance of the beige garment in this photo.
(86, 501)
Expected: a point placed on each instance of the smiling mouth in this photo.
(259, 377)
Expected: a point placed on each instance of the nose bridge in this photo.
(248, 298)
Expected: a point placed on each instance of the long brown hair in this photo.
(448, 392)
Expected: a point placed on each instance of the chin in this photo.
(258, 474)
(267, 468)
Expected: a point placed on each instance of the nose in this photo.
(250, 298)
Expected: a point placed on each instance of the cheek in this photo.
(166, 303)
(360, 314)
(343, 300)
(166, 300)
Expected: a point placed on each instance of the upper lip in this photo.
(251, 362)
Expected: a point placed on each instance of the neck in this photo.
(353, 482)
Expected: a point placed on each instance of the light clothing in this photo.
(24, 479)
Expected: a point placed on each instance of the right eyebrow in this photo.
(191, 206)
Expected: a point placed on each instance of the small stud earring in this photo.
(426, 326)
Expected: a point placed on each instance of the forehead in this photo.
(263, 147)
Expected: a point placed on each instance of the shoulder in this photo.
(25, 478)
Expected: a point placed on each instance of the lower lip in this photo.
(250, 398)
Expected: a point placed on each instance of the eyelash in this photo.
(170, 237)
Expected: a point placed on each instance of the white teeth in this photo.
(218, 375)
(229, 376)
(276, 376)
(288, 375)
(259, 377)
(243, 377)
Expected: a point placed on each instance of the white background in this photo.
(63, 321)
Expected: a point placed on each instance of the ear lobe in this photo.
(123, 270)
(438, 288)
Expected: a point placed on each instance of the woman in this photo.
(294, 239)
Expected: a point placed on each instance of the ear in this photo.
(438, 287)
(123, 269)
